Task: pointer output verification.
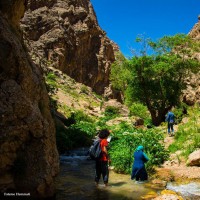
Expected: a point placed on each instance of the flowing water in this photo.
(188, 191)
(76, 182)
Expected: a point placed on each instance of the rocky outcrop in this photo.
(195, 32)
(168, 195)
(194, 158)
(192, 93)
(67, 35)
(28, 154)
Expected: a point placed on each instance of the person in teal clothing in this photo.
(170, 118)
(138, 170)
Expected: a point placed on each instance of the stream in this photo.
(76, 182)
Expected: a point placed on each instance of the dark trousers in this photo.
(139, 174)
(170, 127)
(101, 168)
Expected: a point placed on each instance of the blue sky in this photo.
(124, 20)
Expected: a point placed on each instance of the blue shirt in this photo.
(170, 117)
(139, 159)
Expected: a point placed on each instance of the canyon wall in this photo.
(192, 93)
(66, 34)
(28, 155)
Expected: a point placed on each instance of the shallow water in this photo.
(189, 190)
(76, 182)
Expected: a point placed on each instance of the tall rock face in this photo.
(192, 93)
(28, 154)
(67, 34)
(195, 32)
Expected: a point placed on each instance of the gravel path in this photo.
(177, 168)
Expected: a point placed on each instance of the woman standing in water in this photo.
(101, 165)
(138, 170)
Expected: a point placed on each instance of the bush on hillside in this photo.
(187, 137)
(125, 141)
(179, 112)
(76, 131)
(111, 111)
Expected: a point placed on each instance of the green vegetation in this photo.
(138, 109)
(51, 82)
(111, 112)
(155, 77)
(151, 82)
(187, 138)
(75, 131)
(84, 89)
(180, 111)
(74, 128)
(126, 139)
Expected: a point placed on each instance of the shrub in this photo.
(79, 137)
(51, 82)
(125, 141)
(63, 141)
(111, 111)
(84, 89)
(87, 127)
(79, 115)
(79, 132)
(138, 109)
(179, 112)
(187, 137)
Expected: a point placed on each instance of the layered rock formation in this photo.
(28, 154)
(66, 33)
(195, 32)
(192, 94)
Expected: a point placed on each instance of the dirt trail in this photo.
(176, 168)
(169, 139)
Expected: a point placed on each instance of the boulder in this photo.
(194, 158)
(168, 195)
(139, 121)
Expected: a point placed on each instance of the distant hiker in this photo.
(138, 170)
(101, 165)
(170, 118)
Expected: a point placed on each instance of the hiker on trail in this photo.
(138, 170)
(101, 165)
(170, 118)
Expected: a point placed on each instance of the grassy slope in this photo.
(71, 97)
(187, 138)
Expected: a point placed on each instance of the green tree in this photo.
(156, 75)
(120, 73)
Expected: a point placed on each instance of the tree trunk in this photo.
(158, 116)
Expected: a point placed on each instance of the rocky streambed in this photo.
(76, 181)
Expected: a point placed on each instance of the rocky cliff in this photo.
(195, 32)
(28, 154)
(192, 94)
(67, 34)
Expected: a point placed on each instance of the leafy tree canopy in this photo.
(155, 76)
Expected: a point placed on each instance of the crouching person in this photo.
(138, 170)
